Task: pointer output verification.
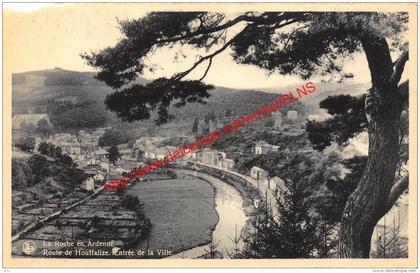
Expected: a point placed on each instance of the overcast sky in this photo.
(44, 36)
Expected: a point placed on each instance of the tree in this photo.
(76, 116)
(66, 160)
(26, 144)
(389, 243)
(113, 154)
(43, 148)
(348, 120)
(140, 154)
(299, 43)
(131, 202)
(195, 125)
(112, 137)
(209, 116)
(21, 174)
(50, 150)
(292, 233)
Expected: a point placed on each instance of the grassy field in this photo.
(181, 212)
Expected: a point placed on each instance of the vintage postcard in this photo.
(209, 135)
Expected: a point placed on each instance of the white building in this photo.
(89, 184)
(228, 163)
(278, 120)
(212, 157)
(149, 154)
(75, 149)
(104, 165)
(120, 170)
(263, 147)
(292, 115)
(98, 177)
(125, 154)
(258, 173)
(101, 154)
(277, 183)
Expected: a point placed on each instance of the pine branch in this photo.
(242, 18)
(181, 75)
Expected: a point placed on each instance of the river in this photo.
(231, 218)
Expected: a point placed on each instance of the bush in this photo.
(26, 144)
(131, 202)
(21, 174)
(112, 137)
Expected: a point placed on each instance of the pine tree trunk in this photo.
(368, 203)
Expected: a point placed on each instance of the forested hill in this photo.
(74, 100)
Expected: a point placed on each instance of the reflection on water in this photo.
(231, 218)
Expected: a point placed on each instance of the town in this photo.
(84, 150)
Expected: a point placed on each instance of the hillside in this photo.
(323, 91)
(67, 95)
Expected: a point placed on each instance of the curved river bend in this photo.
(231, 217)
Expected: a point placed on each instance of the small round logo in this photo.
(28, 247)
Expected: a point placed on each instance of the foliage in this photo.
(327, 189)
(278, 43)
(266, 162)
(340, 189)
(273, 41)
(76, 116)
(292, 233)
(113, 154)
(212, 252)
(348, 119)
(137, 101)
(55, 152)
(21, 174)
(62, 172)
(131, 202)
(112, 137)
(210, 116)
(26, 144)
(389, 244)
(195, 125)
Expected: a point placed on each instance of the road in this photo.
(262, 187)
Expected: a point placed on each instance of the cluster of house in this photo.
(213, 157)
(150, 147)
(262, 176)
(277, 117)
(85, 151)
(219, 159)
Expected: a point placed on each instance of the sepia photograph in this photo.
(209, 135)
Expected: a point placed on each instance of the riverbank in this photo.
(247, 192)
(232, 219)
